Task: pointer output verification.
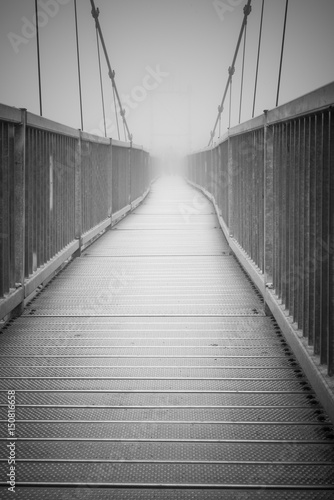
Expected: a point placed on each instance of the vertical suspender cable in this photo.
(124, 131)
(282, 50)
(78, 60)
(242, 71)
(101, 83)
(230, 107)
(38, 61)
(116, 114)
(258, 58)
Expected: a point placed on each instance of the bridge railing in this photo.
(272, 182)
(131, 173)
(59, 189)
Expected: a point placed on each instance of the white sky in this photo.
(186, 39)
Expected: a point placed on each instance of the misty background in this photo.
(171, 59)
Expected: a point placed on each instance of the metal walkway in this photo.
(147, 369)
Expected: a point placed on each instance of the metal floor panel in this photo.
(138, 351)
(138, 493)
(248, 414)
(190, 451)
(172, 451)
(137, 361)
(88, 492)
(139, 431)
(141, 325)
(202, 372)
(165, 399)
(144, 342)
(147, 369)
(138, 384)
(86, 341)
(178, 473)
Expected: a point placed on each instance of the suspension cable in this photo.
(95, 14)
(242, 71)
(113, 91)
(78, 60)
(38, 61)
(124, 131)
(282, 50)
(101, 83)
(258, 58)
(230, 104)
(247, 11)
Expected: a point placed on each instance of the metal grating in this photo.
(148, 369)
(89, 492)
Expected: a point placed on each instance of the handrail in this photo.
(318, 99)
(270, 178)
(60, 188)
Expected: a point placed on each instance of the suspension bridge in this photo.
(168, 336)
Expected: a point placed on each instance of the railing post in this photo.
(130, 182)
(268, 202)
(78, 193)
(20, 202)
(330, 340)
(230, 186)
(109, 174)
(268, 162)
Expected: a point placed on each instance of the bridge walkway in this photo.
(148, 369)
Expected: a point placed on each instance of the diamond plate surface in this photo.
(272, 386)
(89, 360)
(202, 324)
(156, 371)
(161, 399)
(170, 431)
(171, 451)
(142, 351)
(177, 473)
(128, 414)
(137, 493)
(175, 222)
(156, 343)
(78, 342)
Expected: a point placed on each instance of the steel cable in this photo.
(282, 51)
(101, 82)
(242, 71)
(258, 58)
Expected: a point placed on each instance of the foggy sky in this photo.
(171, 59)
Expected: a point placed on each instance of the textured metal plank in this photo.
(156, 372)
(276, 415)
(178, 473)
(209, 361)
(153, 354)
(181, 430)
(162, 399)
(87, 493)
(147, 342)
(138, 384)
(169, 451)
